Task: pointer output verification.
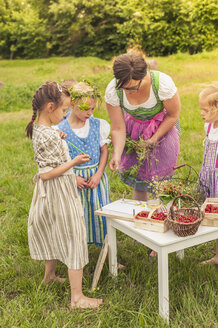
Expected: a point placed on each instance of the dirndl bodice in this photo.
(89, 145)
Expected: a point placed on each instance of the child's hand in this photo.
(94, 180)
(81, 182)
(81, 159)
(62, 134)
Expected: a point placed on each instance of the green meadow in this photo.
(131, 298)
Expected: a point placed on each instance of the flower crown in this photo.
(92, 93)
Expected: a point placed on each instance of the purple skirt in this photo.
(165, 153)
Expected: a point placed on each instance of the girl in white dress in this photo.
(56, 229)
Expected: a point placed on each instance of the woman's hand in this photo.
(114, 163)
(81, 159)
(81, 182)
(152, 140)
(94, 180)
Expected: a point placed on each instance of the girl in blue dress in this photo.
(89, 134)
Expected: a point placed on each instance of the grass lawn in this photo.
(131, 299)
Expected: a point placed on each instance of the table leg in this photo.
(112, 247)
(163, 284)
(180, 254)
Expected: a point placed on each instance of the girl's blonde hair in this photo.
(83, 88)
(79, 90)
(210, 95)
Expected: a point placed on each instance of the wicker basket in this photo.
(180, 228)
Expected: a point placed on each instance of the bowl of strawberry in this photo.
(211, 208)
(184, 221)
(159, 216)
(210, 212)
(142, 215)
(155, 220)
(153, 215)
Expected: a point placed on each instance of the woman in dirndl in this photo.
(144, 104)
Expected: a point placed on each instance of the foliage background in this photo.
(105, 28)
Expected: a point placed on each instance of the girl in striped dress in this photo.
(89, 134)
(56, 229)
(208, 100)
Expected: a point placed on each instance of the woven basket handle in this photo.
(178, 166)
(183, 197)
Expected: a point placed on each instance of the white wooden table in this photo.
(162, 243)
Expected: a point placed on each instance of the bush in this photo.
(105, 28)
(22, 32)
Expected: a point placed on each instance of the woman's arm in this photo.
(59, 170)
(173, 108)
(118, 134)
(95, 179)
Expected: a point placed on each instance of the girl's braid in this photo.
(36, 103)
(48, 92)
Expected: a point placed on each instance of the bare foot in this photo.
(49, 280)
(84, 302)
(59, 279)
(214, 260)
(152, 254)
(121, 266)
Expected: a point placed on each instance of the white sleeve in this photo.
(104, 132)
(111, 96)
(55, 127)
(206, 127)
(167, 88)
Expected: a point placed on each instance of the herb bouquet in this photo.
(144, 151)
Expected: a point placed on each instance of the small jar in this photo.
(154, 203)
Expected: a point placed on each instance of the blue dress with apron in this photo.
(91, 199)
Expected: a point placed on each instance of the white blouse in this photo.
(167, 90)
(104, 131)
(84, 131)
(213, 134)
